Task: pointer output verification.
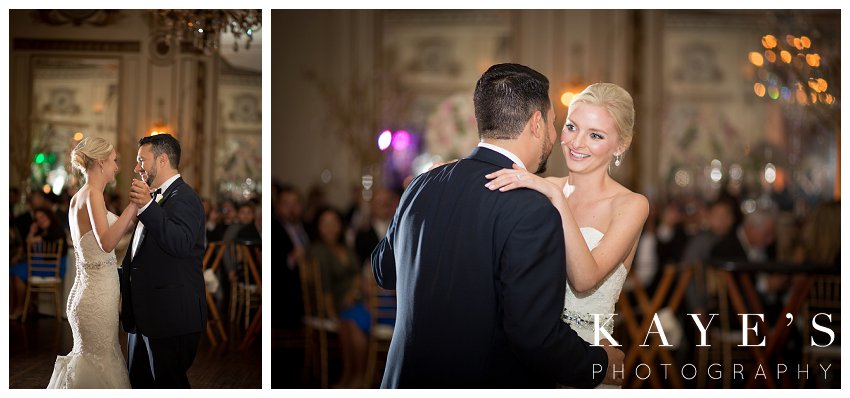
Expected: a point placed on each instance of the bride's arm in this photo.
(107, 236)
(584, 268)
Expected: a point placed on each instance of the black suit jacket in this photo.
(730, 248)
(162, 287)
(480, 277)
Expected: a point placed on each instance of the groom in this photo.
(162, 285)
(480, 276)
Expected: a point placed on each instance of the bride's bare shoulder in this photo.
(632, 202)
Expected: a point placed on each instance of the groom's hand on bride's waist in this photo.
(615, 362)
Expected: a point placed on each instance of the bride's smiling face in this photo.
(589, 138)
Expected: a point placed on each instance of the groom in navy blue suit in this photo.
(162, 284)
(480, 275)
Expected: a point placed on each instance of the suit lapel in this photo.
(171, 191)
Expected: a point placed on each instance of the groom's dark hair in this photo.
(164, 143)
(506, 96)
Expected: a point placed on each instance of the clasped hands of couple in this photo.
(140, 193)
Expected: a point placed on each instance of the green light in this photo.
(51, 158)
(39, 158)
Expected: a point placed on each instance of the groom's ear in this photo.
(535, 124)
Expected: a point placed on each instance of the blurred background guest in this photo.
(46, 227)
(290, 245)
(341, 281)
(380, 214)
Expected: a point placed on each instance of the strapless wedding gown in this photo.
(578, 307)
(96, 360)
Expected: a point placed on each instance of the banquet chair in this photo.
(382, 306)
(253, 292)
(211, 261)
(316, 322)
(43, 275)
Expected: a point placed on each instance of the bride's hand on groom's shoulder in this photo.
(509, 179)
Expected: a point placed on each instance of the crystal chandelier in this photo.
(203, 28)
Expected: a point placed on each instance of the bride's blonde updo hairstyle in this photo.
(619, 104)
(89, 150)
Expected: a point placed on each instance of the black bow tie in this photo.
(156, 192)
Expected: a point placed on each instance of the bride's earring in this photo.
(617, 160)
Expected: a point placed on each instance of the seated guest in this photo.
(222, 217)
(343, 294)
(289, 245)
(820, 236)
(754, 242)
(242, 230)
(16, 255)
(381, 211)
(46, 227)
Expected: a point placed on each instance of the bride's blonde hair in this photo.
(89, 150)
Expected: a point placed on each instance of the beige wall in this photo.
(180, 90)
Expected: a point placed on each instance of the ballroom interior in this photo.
(737, 113)
(122, 75)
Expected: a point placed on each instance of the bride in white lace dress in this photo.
(602, 220)
(96, 360)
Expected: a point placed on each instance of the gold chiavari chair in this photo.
(43, 275)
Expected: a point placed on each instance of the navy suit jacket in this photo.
(162, 287)
(480, 277)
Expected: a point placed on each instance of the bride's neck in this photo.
(586, 184)
(94, 184)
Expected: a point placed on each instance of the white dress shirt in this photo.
(510, 155)
(137, 237)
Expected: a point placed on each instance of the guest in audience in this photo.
(222, 218)
(46, 227)
(343, 294)
(16, 255)
(316, 199)
(645, 265)
(242, 230)
(723, 217)
(62, 204)
(356, 212)
(37, 199)
(820, 236)
(381, 211)
(14, 202)
(753, 241)
(289, 246)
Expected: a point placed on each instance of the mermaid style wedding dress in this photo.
(96, 360)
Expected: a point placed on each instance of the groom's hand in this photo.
(140, 193)
(615, 362)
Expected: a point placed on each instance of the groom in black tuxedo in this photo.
(162, 284)
(480, 275)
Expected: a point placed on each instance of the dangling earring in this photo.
(617, 161)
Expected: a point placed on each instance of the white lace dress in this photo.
(96, 360)
(578, 307)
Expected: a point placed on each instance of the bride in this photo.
(96, 360)
(602, 220)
